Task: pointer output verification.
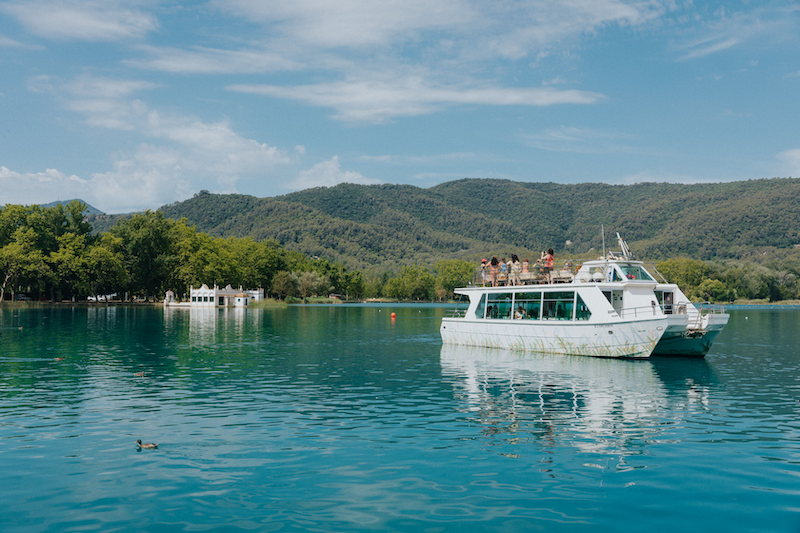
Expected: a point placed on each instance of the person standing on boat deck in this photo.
(494, 270)
(503, 271)
(515, 270)
(549, 259)
(484, 273)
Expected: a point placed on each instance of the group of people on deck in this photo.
(514, 271)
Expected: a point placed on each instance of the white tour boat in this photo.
(611, 307)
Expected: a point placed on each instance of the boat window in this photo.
(665, 301)
(498, 305)
(607, 294)
(616, 276)
(480, 311)
(635, 272)
(528, 305)
(581, 309)
(558, 305)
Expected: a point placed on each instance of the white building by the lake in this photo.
(205, 296)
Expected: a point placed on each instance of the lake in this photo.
(338, 419)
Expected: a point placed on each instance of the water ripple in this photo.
(338, 420)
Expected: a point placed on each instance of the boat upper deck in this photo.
(592, 271)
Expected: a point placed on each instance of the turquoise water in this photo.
(336, 419)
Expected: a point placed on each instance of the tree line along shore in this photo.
(52, 254)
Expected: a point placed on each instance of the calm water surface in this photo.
(335, 419)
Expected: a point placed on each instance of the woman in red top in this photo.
(549, 259)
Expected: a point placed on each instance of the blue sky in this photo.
(132, 105)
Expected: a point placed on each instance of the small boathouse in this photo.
(205, 296)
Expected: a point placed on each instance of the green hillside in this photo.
(379, 227)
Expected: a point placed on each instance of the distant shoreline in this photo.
(788, 304)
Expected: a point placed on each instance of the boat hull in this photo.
(686, 344)
(681, 341)
(623, 339)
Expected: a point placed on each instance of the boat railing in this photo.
(653, 271)
(708, 307)
(697, 314)
(460, 310)
(536, 275)
(637, 312)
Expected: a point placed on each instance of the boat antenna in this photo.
(626, 252)
(603, 232)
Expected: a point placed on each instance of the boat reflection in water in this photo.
(606, 406)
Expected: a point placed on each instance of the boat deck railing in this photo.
(653, 271)
(536, 275)
(702, 309)
(636, 312)
(709, 308)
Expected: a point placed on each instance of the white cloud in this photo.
(520, 29)
(180, 151)
(104, 101)
(151, 177)
(189, 151)
(83, 20)
(329, 173)
(368, 46)
(351, 23)
(510, 29)
(32, 187)
(579, 140)
(211, 148)
(7, 42)
(203, 60)
(131, 186)
(729, 30)
(372, 100)
(791, 160)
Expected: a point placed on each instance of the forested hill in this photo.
(384, 226)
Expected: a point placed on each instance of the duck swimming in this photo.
(147, 445)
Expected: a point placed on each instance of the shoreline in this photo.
(787, 304)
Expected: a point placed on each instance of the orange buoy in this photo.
(394, 315)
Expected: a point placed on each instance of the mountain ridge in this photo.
(383, 227)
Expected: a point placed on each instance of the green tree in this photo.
(453, 273)
(713, 290)
(687, 273)
(306, 283)
(19, 261)
(413, 283)
(355, 285)
(284, 284)
(105, 268)
(69, 265)
(149, 245)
